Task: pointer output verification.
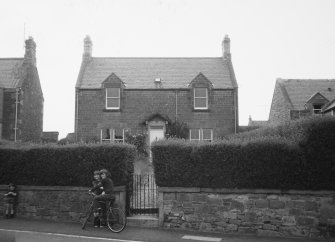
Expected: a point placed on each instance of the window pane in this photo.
(112, 103)
(200, 103)
(200, 92)
(207, 134)
(195, 134)
(113, 92)
(105, 134)
(118, 134)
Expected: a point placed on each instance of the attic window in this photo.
(317, 108)
(112, 98)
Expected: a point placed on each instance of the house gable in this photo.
(113, 81)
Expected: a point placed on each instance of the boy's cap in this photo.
(96, 172)
(11, 185)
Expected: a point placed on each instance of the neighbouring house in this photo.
(50, 136)
(253, 124)
(296, 98)
(142, 95)
(21, 97)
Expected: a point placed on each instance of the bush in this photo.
(299, 155)
(71, 165)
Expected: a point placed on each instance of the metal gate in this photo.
(143, 199)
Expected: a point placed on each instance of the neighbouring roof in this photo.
(298, 91)
(10, 72)
(140, 73)
(329, 106)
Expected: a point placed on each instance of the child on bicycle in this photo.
(10, 200)
(96, 192)
(107, 186)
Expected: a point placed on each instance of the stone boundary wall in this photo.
(245, 211)
(60, 203)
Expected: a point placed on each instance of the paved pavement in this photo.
(19, 230)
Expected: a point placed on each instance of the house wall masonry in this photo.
(56, 202)
(261, 212)
(138, 105)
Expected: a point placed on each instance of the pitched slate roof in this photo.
(298, 91)
(10, 72)
(140, 73)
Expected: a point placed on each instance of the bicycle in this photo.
(115, 216)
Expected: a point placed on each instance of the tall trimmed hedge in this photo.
(71, 165)
(299, 155)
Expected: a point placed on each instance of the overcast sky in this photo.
(269, 39)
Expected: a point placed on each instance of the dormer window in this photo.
(317, 108)
(200, 98)
(112, 98)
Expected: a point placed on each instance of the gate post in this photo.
(160, 207)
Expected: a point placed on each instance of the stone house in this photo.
(296, 98)
(21, 97)
(142, 95)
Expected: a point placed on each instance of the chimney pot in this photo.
(226, 47)
(87, 48)
(30, 51)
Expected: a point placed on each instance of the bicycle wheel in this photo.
(116, 220)
(87, 217)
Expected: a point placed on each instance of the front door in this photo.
(156, 132)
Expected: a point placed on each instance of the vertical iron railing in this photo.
(144, 195)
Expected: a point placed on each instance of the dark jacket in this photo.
(107, 185)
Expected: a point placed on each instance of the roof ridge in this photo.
(156, 57)
(12, 58)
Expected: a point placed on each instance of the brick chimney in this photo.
(30, 53)
(226, 47)
(87, 48)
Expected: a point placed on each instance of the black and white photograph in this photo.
(167, 120)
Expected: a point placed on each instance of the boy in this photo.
(96, 192)
(107, 185)
(11, 198)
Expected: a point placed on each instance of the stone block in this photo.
(306, 221)
(221, 224)
(311, 206)
(272, 197)
(275, 204)
(214, 201)
(231, 227)
(237, 205)
(296, 211)
(250, 217)
(170, 196)
(235, 221)
(230, 215)
(261, 203)
(205, 227)
(247, 230)
(199, 197)
(268, 233)
(191, 218)
(292, 231)
(288, 220)
(183, 197)
(269, 227)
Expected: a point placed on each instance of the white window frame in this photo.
(317, 109)
(107, 97)
(112, 136)
(191, 135)
(201, 134)
(194, 98)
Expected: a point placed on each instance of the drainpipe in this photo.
(235, 108)
(176, 106)
(16, 113)
(76, 118)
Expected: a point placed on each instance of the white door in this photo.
(156, 133)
